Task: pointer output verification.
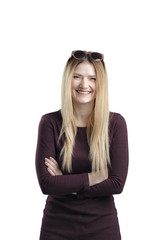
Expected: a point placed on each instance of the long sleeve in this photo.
(119, 163)
(46, 147)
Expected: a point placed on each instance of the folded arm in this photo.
(114, 184)
(93, 177)
(46, 147)
(85, 184)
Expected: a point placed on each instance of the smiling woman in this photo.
(82, 156)
(84, 85)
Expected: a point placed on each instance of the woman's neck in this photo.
(82, 113)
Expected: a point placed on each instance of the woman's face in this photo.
(84, 83)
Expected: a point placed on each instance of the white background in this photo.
(36, 40)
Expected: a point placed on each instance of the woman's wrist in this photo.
(97, 177)
(93, 178)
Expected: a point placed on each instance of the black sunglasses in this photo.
(78, 54)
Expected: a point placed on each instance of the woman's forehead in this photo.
(85, 68)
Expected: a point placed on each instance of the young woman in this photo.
(82, 156)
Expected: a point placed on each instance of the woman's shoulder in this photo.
(115, 115)
(53, 117)
(116, 119)
(117, 126)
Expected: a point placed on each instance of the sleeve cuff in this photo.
(85, 185)
(86, 181)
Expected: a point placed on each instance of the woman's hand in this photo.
(53, 167)
(97, 177)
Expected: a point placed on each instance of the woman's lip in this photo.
(83, 92)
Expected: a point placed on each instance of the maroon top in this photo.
(91, 214)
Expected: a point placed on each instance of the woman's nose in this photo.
(84, 83)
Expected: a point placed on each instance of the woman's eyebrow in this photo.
(82, 75)
(78, 74)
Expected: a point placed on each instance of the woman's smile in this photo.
(83, 92)
(84, 83)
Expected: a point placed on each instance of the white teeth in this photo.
(82, 92)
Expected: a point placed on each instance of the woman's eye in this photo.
(75, 76)
(93, 79)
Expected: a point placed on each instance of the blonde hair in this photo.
(97, 127)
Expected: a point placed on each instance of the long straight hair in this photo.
(97, 126)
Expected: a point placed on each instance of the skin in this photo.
(83, 92)
(83, 95)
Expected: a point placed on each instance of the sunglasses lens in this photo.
(79, 54)
(96, 56)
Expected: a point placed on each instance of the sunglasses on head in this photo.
(78, 54)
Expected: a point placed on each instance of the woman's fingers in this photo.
(51, 172)
(54, 161)
(50, 162)
(53, 166)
